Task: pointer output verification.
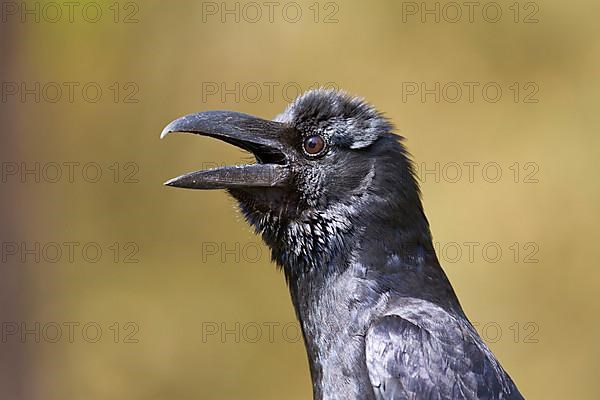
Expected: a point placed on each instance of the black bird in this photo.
(333, 193)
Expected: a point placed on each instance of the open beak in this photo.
(263, 138)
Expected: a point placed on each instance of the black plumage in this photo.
(379, 317)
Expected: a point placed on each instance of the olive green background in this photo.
(540, 318)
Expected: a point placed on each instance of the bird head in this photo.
(328, 162)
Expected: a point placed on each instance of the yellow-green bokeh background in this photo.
(169, 53)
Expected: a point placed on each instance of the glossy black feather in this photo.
(379, 316)
(410, 357)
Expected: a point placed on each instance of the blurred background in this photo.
(115, 287)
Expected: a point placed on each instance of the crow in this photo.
(334, 195)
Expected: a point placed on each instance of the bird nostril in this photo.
(314, 145)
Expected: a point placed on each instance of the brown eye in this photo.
(314, 145)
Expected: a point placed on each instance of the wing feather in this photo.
(407, 359)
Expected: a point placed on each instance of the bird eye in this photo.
(314, 145)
